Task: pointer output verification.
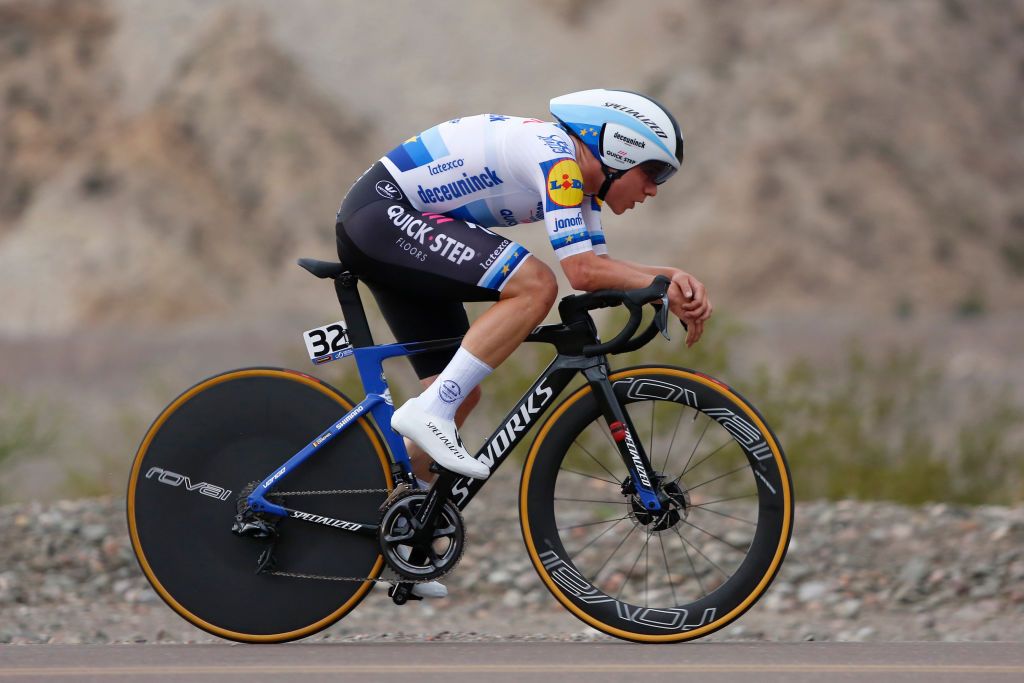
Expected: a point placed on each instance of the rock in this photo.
(848, 609)
(812, 590)
(94, 533)
(915, 571)
(986, 589)
(84, 586)
(512, 598)
(498, 577)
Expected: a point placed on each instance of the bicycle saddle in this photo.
(323, 269)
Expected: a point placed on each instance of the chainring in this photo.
(397, 526)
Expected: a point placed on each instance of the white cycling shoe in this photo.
(430, 590)
(439, 438)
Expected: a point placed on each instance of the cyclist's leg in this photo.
(420, 460)
(417, 268)
(429, 419)
(525, 301)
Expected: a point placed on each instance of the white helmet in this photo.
(622, 129)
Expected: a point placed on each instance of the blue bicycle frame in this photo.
(370, 363)
(574, 340)
(503, 441)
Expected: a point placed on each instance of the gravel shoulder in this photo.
(855, 572)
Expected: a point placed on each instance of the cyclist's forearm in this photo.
(649, 270)
(594, 273)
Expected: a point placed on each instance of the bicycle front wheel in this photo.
(658, 577)
(197, 461)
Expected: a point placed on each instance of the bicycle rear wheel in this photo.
(210, 443)
(646, 577)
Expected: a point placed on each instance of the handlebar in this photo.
(575, 307)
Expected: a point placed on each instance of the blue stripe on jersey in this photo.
(597, 238)
(399, 156)
(419, 151)
(474, 212)
(595, 203)
(573, 238)
(481, 213)
(434, 143)
(462, 213)
(503, 266)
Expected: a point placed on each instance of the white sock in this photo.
(449, 390)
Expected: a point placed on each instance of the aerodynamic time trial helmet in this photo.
(623, 129)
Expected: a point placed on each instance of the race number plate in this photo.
(327, 343)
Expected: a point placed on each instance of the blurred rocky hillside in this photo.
(165, 215)
(852, 168)
(857, 157)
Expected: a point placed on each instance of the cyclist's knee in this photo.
(535, 282)
(547, 289)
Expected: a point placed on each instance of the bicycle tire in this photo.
(560, 502)
(201, 451)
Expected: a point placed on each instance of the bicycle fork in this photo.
(623, 433)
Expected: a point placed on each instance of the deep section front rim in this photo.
(553, 513)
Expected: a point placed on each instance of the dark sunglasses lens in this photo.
(658, 171)
(663, 173)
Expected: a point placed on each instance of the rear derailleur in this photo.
(251, 524)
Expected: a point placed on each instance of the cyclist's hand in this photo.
(694, 330)
(688, 300)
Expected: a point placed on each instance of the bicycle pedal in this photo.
(400, 593)
(395, 493)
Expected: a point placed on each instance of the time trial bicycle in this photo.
(655, 503)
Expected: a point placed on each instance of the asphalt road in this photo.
(565, 662)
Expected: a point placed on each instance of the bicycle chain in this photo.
(326, 577)
(325, 493)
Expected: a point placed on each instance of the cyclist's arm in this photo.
(698, 307)
(590, 272)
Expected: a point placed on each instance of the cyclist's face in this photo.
(632, 188)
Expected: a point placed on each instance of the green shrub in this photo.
(21, 431)
(889, 425)
(886, 427)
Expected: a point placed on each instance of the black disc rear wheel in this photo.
(689, 569)
(194, 462)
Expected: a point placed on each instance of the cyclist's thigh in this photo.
(421, 266)
(395, 245)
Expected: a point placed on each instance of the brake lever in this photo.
(661, 317)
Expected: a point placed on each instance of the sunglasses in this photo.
(658, 171)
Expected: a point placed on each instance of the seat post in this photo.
(347, 287)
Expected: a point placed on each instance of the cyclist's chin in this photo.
(618, 206)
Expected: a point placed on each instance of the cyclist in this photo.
(415, 227)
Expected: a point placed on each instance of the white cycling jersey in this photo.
(499, 171)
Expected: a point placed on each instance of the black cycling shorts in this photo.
(420, 266)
